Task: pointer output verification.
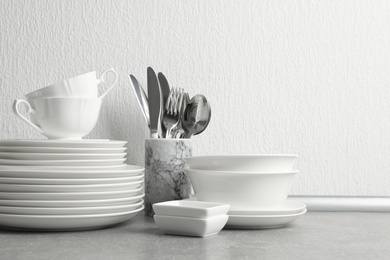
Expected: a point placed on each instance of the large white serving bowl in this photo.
(243, 163)
(242, 190)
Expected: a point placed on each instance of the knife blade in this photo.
(154, 94)
(141, 97)
(164, 86)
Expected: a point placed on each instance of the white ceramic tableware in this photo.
(67, 181)
(61, 150)
(69, 195)
(243, 163)
(70, 188)
(64, 222)
(287, 207)
(99, 162)
(197, 227)
(85, 85)
(69, 211)
(192, 209)
(63, 172)
(261, 221)
(60, 156)
(242, 190)
(85, 143)
(126, 200)
(61, 118)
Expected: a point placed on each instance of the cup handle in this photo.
(101, 80)
(30, 110)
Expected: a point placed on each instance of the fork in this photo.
(171, 116)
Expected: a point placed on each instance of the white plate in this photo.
(70, 188)
(288, 207)
(72, 203)
(62, 162)
(59, 156)
(65, 222)
(79, 181)
(69, 195)
(69, 211)
(62, 168)
(64, 173)
(32, 149)
(261, 221)
(86, 143)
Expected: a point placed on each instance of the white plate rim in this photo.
(277, 211)
(51, 155)
(63, 143)
(269, 216)
(11, 180)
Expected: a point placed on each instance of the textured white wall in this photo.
(305, 77)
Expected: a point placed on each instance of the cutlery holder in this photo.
(165, 178)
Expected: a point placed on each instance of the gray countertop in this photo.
(315, 235)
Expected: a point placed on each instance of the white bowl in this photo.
(192, 209)
(191, 226)
(243, 163)
(242, 190)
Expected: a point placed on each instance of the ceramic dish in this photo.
(70, 188)
(79, 181)
(73, 203)
(191, 226)
(192, 209)
(63, 167)
(244, 163)
(33, 149)
(261, 221)
(60, 156)
(69, 211)
(242, 190)
(85, 143)
(287, 207)
(63, 162)
(69, 195)
(64, 222)
(64, 173)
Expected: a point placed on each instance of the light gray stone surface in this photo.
(165, 178)
(316, 235)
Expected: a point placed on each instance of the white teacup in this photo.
(61, 117)
(85, 85)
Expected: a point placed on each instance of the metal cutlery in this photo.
(141, 97)
(164, 86)
(196, 116)
(154, 94)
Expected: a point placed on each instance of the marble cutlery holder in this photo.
(165, 178)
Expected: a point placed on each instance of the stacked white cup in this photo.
(66, 110)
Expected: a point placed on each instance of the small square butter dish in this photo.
(190, 208)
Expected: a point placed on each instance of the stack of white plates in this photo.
(67, 185)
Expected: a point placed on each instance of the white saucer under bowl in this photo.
(85, 143)
(64, 222)
(73, 203)
(261, 221)
(288, 207)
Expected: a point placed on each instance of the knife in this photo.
(155, 100)
(141, 97)
(164, 86)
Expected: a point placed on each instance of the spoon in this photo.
(196, 116)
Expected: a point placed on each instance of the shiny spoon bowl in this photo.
(196, 116)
